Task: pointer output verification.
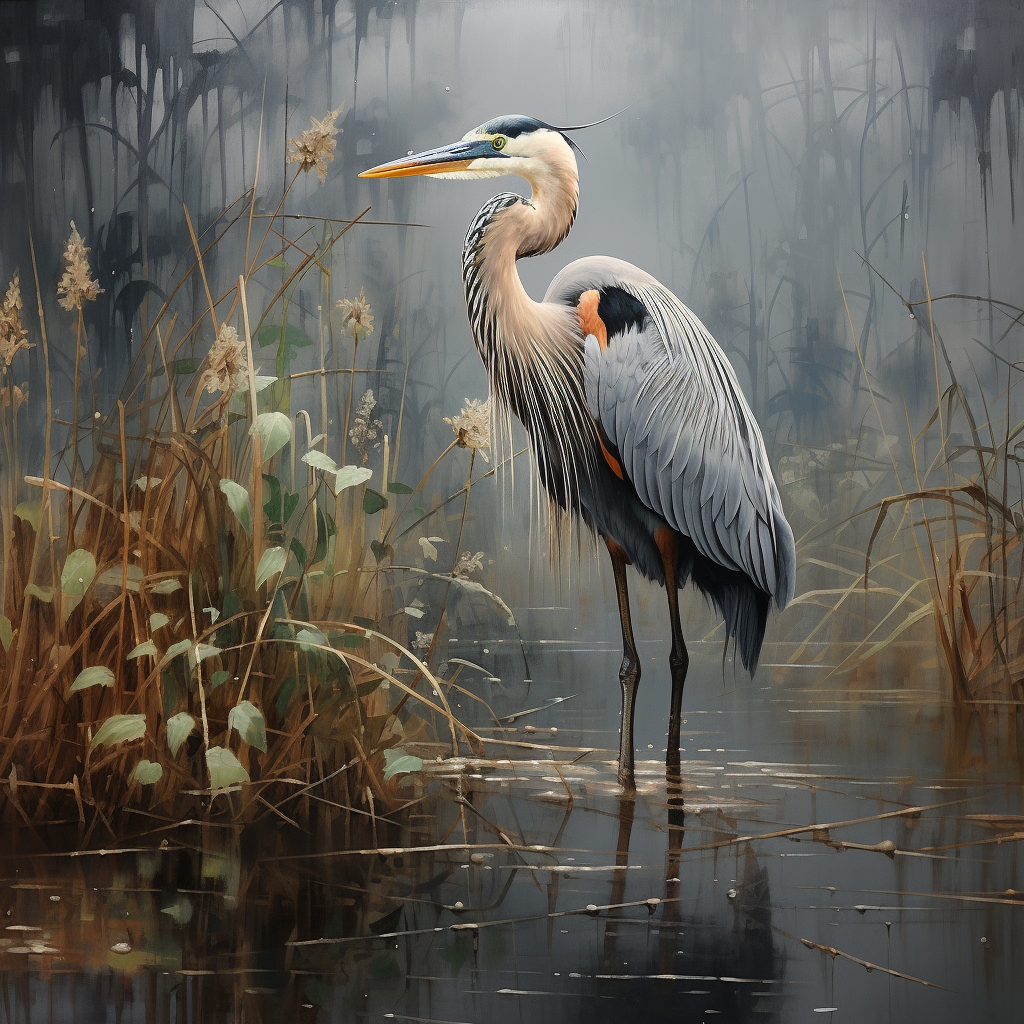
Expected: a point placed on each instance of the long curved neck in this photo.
(533, 351)
(507, 228)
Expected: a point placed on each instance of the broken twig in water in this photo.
(866, 964)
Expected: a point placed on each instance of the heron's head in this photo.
(512, 144)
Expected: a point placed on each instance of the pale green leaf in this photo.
(179, 648)
(147, 772)
(6, 632)
(112, 577)
(318, 460)
(157, 621)
(271, 563)
(180, 911)
(40, 593)
(428, 549)
(165, 587)
(78, 573)
(262, 383)
(246, 720)
(416, 613)
(145, 482)
(179, 728)
(214, 613)
(218, 678)
(275, 431)
(97, 675)
(397, 761)
(350, 476)
(30, 511)
(311, 635)
(224, 767)
(204, 651)
(146, 647)
(238, 502)
(119, 729)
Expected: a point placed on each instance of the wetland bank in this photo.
(298, 719)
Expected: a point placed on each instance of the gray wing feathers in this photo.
(668, 398)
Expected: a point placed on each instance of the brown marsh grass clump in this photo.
(197, 620)
(943, 556)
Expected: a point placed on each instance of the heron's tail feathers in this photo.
(743, 606)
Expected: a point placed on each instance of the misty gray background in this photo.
(762, 148)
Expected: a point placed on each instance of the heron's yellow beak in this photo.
(455, 157)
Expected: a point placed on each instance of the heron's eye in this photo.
(499, 142)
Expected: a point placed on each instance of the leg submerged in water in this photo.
(678, 659)
(629, 670)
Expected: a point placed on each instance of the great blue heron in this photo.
(637, 422)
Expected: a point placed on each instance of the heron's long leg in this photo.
(629, 670)
(678, 659)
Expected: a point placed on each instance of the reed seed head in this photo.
(226, 365)
(77, 286)
(357, 313)
(314, 149)
(473, 426)
(12, 334)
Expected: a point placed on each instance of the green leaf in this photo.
(225, 769)
(351, 476)
(6, 632)
(396, 488)
(281, 504)
(165, 587)
(180, 911)
(326, 528)
(284, 695)
(219, 677)
(157, 621)
(298, 551)
(318, 460)
(238, 502)
(78, 573)
(97, 675)
(381, 550)
(275, 431)
(179, 728)
(362, 620)
(397, 761)
(179, 648)
(246, 720)
(204, 651)
(119, 729)
(147, 772)
(112, 577)
(146, 647)
(185, 366)
(30, 511)
(311, 635)
(262, 383)
(271, 564)
(373, 501)
(352, 640)
(294, 339)
(40, 593)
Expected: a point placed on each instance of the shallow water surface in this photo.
(527, 885)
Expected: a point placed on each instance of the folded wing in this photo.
(667, 397)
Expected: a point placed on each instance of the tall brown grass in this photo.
(196, 618)
(943, 555)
